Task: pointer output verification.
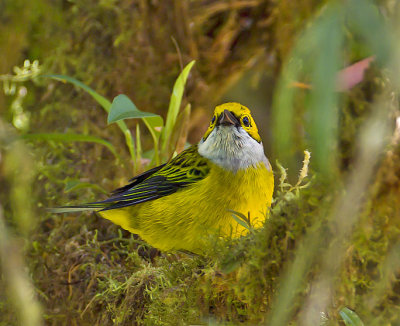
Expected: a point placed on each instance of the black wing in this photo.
(185, 169)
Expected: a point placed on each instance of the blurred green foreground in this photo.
(329, 252)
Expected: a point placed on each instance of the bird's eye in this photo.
(213, 119)
(246, 121)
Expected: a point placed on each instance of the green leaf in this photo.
(138, 146)
(106, 104)
(240, 218)
(148, 154)
(70, 138)
(123, 108)
(350, 318)
(74, 184)
(178, 137)
(175, 103)
(154, 125)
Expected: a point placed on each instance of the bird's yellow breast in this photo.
(184, 219)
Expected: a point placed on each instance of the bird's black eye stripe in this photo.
(246, 121)
(213, 119)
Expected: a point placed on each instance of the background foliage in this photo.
(327, 249)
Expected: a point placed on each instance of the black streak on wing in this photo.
(185, 169)
(138, 179)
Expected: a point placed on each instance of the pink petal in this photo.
(352, 75)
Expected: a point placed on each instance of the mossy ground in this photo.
(87, 271)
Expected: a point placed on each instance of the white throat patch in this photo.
(232, 148)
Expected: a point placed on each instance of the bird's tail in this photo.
(78, 208)
(120, 217)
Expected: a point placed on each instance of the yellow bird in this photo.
(177, 205)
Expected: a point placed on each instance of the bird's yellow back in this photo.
(184, 219)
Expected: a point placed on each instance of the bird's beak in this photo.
(228, 118)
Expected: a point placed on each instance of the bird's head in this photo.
(232, 139)
(231, 117)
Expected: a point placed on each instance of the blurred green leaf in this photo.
(70, 138)
(106, 104)
(284, 112)
(123, 108)
(350, 318)
(316, 53)
(370, 25)
(323, 109)
(148, 154)
(175, 103)
(231, 265)
(75, 184)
